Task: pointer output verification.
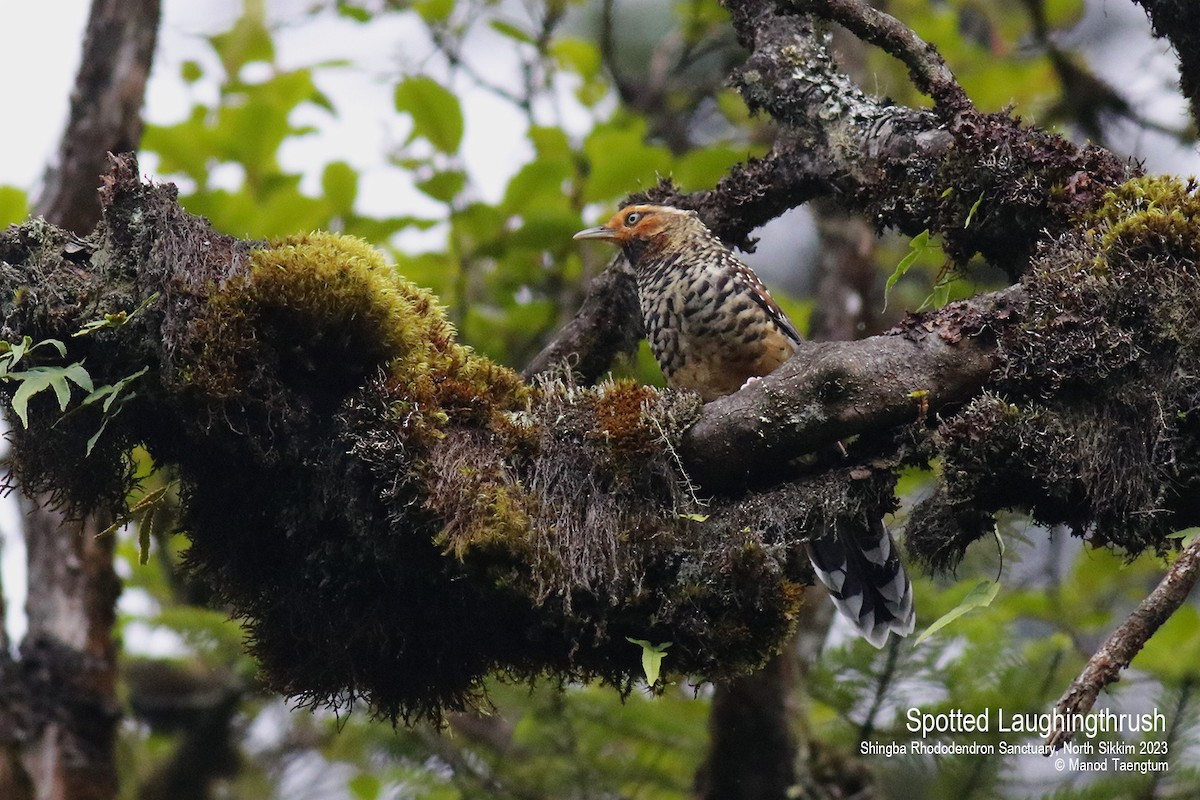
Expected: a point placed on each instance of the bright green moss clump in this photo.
(1157, 216)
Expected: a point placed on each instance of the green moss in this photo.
(1149, 216)
(1093, 425)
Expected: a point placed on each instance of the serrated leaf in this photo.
(980, 596)
(435, 111)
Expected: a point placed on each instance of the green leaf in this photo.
(353, 12)
(35, 380)
(191, 71)
(77, 374)
(652, 658)
(695, 517)
(365, 786)
(621, 161)
(434, 11)
(110, 393)
(339, 184)
(511, 31)
(248, 40)
(918, 245)
(539, 184)
(435, 112)
(579, 55)
(971, 213)
(1186, 537)
(14, 205)
(444, 186)
(704, 166)
(980, 596)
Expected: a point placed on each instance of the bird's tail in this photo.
(862, 571)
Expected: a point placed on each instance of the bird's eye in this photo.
(632, 218)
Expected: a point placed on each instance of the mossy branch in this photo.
(395, 517)
(392, 515)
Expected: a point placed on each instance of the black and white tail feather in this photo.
(862, 571)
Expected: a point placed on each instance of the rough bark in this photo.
(751, 753)
(70, 656)
(106, 108)
(843, 389)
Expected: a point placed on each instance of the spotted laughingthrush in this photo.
(713, 326)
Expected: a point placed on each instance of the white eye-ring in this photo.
(632, 218)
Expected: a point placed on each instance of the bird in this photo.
(713, 326)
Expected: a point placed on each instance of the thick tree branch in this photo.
(834, 390)
(607, 324)
(928, 70)
(910, 169)
(1123, 644)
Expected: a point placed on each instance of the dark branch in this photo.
(105, 109)
(901, 167)
(1127, 640)
(835, 390)
(926, 67)
(606, 325)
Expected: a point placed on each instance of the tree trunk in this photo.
(59, 716)
(70, 656)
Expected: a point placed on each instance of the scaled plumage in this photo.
(712, 326)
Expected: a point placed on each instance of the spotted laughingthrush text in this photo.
(712, 326)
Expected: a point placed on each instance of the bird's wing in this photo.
(763, 298)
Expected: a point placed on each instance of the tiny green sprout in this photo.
(652, 658)
(695, 517)
(113, 320)
(971, 213)
(916, 247)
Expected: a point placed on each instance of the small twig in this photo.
(1129, 638)
(926, 66)
(881, 689)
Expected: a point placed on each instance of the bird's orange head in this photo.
(640, 228)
